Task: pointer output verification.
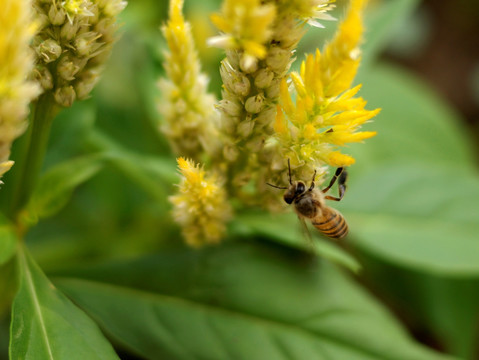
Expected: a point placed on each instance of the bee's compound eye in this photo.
(300, 188)
(288, 199)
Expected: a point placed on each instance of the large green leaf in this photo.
(420, 216)
(446, 308)
(285, 229)
(46, 325)
(239, 301)
(414, 124)
(416, 205)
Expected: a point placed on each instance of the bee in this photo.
(309, 203)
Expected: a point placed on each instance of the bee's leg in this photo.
(338, 172)
(343, 176)
(312, 181)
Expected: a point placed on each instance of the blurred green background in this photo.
(412, 205)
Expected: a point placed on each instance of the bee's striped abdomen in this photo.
(331, 223)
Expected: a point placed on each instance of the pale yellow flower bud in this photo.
(85, 43)
(69, 66)
(245, 128)
(233, 80)
(86, 82)
(278, 60)
(255, 104)
(230, 107)
(230, 153)
(112, 8)
(248, 63)
(65, 96)
(69, 30)
(56, 15)
(43, 76)
(263, 78)
(49, 50)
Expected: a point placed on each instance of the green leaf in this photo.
(8, 241)
(419, 216)
(240, 301)
(285, 229)
(147, 171)
(46, 325)
(56, 186)
(414, 124)
(445, 308)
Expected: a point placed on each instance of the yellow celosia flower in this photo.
(246, 26)
(326, 113)
(186, 106)
(72, 44)
(260, 38)
(16, 63)
(201, 206)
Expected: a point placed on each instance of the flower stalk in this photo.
(30, 152)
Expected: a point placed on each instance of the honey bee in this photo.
(309, 203)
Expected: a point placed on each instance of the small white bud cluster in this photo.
(72, 44)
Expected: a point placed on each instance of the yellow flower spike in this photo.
(72, 44)
(200, 207)
(186, 106)
(341, 55)
(16, 64)
(327, 114)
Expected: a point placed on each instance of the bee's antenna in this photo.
(277, 187)
(289, 171)
(312, 181)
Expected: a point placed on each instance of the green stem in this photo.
(30, 158)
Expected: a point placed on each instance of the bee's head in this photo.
(294, 190)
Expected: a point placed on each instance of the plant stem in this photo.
(30, 158)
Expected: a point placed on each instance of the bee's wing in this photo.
(307, 234)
